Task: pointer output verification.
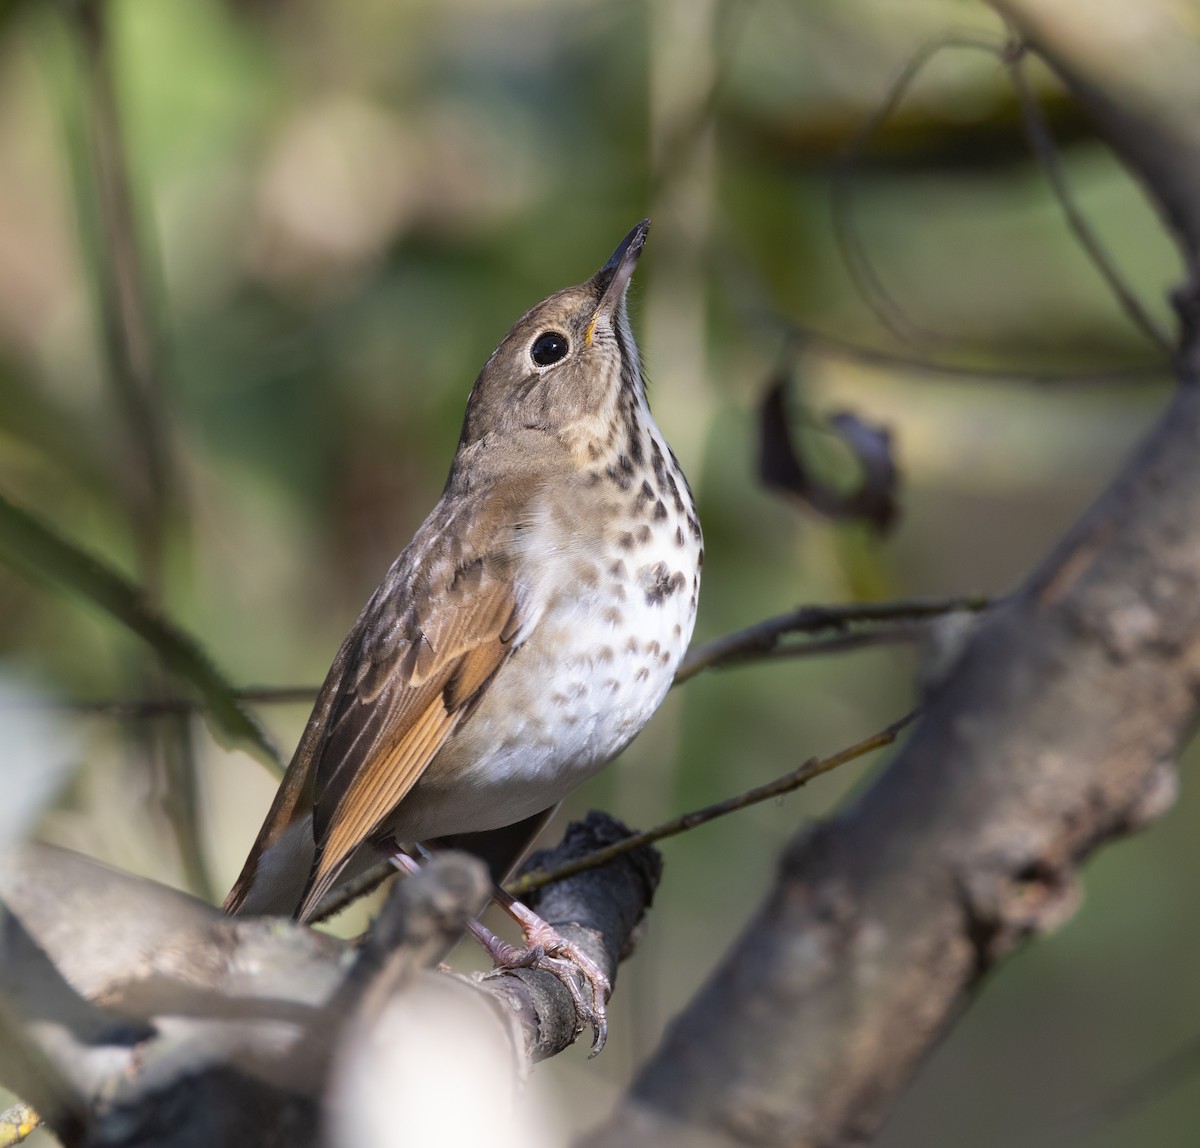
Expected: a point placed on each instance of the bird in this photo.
(518, 643)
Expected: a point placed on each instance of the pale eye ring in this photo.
(548, 348)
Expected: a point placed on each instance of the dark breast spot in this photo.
(622, 478)
(635, 439)
(645, 496)
(694, 527)
(675, 496)
(660, 584)
(660, 511)
(660, 465)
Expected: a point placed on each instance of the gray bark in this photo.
(1055, 730)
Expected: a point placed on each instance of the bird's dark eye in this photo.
(548, 348)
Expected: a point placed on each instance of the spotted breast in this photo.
(615, 556)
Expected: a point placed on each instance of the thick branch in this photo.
(177, 1025)
(1054, 731)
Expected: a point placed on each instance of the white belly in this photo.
(596, 666)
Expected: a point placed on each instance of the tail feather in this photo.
(275, 875)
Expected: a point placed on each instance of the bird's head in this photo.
(557, 378)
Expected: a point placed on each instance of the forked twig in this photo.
(762, 640)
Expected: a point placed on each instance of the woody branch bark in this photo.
(1055, 730)
(135, 1015)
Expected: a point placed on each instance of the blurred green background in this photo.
(342, 207)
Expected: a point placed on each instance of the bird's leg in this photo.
(551, 951)
(402, 861)
(545, 949)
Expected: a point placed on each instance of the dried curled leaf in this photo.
(785, 465)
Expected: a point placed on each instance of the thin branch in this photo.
(898, 635)
(886, 308)
(33, 548)
(881, 301)
(789, 782)
(350, 891)
(133, 342)
(1041, 141)
(127, 708)
(731, 648)
(763, 638)
(123, 297)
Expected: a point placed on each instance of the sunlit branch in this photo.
(788, 783)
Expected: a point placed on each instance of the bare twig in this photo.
(788, 783)
(1041, 141)
(128, 708)
(31, 547)
(898, 635)
(885, 306)
(123, 296)
(134, 351)
(763, 638)
(350, 891)
(731, 648)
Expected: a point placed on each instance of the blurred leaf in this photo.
(34, 549)
(785, 467)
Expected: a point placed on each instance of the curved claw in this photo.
(595, 1013)
(554, 954)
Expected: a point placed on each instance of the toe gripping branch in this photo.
(597, 914)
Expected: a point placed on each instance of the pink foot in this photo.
(545, 949)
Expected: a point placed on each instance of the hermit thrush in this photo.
(523, 637)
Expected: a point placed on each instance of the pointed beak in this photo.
(612, 279)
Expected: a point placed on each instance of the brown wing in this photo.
(406, 694)
(419, 657)
(293, 799)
